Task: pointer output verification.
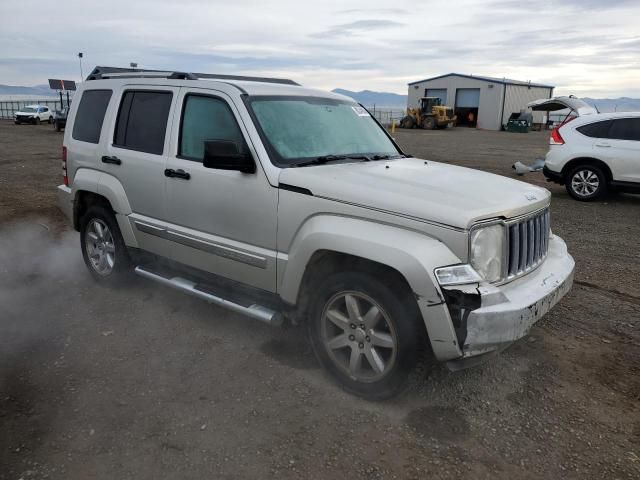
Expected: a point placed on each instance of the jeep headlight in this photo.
(487, 251)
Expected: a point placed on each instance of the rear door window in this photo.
(204, 119)
(90, 115)
(142, 121)
(596, 130)
(625, 129)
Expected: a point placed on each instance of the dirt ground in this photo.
(142, 382)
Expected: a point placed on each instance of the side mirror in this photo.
(226, 155)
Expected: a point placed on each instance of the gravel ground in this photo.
(142, 382)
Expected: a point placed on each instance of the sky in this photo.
(583, 47)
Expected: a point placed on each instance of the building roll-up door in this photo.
(441, 93)
(466, 107)
(468, 97)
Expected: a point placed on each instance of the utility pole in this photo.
(80, 55)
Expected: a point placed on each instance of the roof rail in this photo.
(100, 73)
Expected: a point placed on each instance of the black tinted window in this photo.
(596, 130)
(206, 118)
(142, 121)
(90, 115)
(625, 129)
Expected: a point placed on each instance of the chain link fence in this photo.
(386, 116)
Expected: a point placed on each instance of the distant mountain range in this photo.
(369, 98)
(36, 91)
(622, 104)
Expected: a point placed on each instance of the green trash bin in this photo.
(518, 126)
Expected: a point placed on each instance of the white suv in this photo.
(594, 153)
(286, 203)
(33, 114)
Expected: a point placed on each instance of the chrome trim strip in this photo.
(218, 249)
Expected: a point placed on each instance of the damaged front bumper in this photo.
(488, 318)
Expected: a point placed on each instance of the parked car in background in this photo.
(286, 203)
(594, 153)
(33, 114)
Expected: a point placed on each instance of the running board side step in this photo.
(258, 312)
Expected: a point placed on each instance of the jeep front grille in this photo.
(528, 242)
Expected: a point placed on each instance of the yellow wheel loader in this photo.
(430, 115)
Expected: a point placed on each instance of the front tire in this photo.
(103, 248)
(407, 122)
(37, 121)
(364, 333)
(586, 183)
(429, 123)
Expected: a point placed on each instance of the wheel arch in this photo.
(326, 244)
(92, 187)
(571, 164)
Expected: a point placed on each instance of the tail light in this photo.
(65, 179)
(556, 138)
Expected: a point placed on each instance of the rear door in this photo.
(136, 151)
(622, 149)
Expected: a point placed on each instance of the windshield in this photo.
(28, 110)
(297, 129)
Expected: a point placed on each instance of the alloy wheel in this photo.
(585, 182)
(100, 246)
(359, 336)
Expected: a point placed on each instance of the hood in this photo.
(428, 191)
(561, 103)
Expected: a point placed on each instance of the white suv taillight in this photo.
(556, 138)
(65, 179)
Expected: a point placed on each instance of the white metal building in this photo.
(484, 102)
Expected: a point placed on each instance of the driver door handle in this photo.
(603, 144)
(112, 160)
(170, 172)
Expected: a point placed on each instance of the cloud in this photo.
(361, 44)
(357, 26)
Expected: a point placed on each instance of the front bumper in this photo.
(65, 201)
(507, 312)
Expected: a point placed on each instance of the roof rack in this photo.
(100, 73)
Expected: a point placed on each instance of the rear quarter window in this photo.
(87, 124)
(596, 130)
(625, 129)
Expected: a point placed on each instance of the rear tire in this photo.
(364, 333)
(103, 248)
(586, 183)
(50, 120)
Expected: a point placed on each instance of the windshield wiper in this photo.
(332, 158)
